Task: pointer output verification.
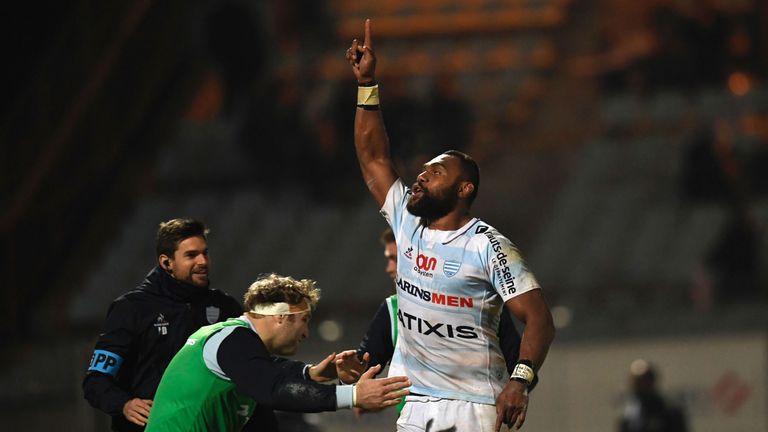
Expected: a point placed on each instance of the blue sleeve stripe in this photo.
(105, 362)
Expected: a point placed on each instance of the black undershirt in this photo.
(271, 381)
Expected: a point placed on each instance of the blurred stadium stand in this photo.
(641, 204)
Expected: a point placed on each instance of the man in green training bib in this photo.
(228, 372)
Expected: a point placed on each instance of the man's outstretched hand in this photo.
(325, 370)
(374, 394)
(362, 58)
(349, 368)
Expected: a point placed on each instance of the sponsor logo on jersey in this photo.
(212, 314)
(426, 328)
(424, 265)
(191, 342)
(434, 297)
(426, 262)
(105, 362)
(161, 324)
(409, 253)
(450, 268)
(501, 266)
(481, 229)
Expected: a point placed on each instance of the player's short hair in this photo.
(172, 232)
(273, 288)
(470, 172)
(387, 236)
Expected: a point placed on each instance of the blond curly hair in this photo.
(274, 288)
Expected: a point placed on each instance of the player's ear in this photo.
(466, 189)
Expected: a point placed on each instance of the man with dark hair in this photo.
(455, 274)
(470, 172)
(145, 327)
(227, 370)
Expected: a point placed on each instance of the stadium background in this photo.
(623, 146)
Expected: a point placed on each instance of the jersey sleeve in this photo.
(245, 360)
(378, 339)
(291, 368)
(505, 267)
(394, 209)
(114, 346)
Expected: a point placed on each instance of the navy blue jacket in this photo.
(143, 330)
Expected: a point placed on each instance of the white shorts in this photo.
(430, 414)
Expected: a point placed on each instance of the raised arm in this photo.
(371, 142)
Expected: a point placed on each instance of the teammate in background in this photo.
(226, 370)
(146, 326)
(455, 274)
(646, 410)
(380, 339)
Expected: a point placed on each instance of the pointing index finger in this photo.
(367, 41)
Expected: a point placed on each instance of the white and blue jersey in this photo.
(451, 288)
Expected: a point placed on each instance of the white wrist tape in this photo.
(368, 95)
(524, 372)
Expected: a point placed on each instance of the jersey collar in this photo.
(446, 237)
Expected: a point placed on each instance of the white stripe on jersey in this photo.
(211, 349)
(451, 288)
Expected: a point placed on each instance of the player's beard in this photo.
(433, 205)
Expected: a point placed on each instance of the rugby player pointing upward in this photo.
(455, 273)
